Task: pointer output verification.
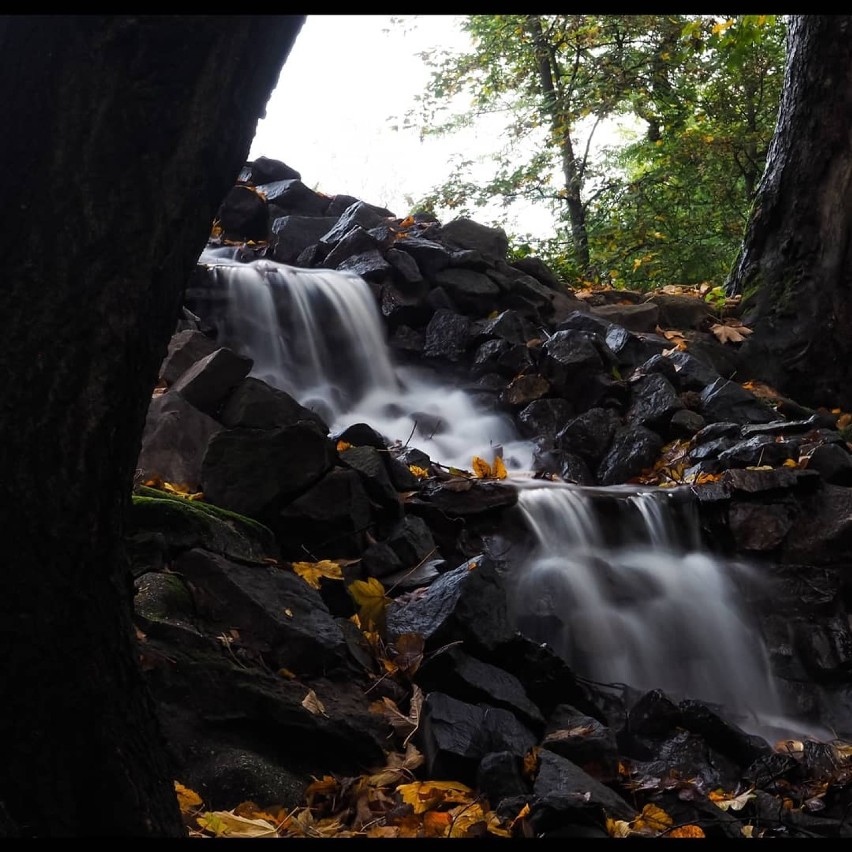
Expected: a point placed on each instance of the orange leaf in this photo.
(481, 468)
(686, 831)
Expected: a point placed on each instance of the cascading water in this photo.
(318, 335)
(632, 599)
(646, 607)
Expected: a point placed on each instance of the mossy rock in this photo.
(184, 524)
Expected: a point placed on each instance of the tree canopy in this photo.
(667, 205)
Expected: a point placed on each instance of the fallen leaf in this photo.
(481, 468)
(188, 800)
(500, 468)
(686, 831)
(313, 705)
(727, 802)
(370, 596)
(728, 333)
(652, 819)
(408, 652)
(313, 572)
(618, 828)
(228, 824)
(425, 795)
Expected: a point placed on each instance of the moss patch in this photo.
(192, 523)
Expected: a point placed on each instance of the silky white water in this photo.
(318, 335)
(651, 609)
(647, 607)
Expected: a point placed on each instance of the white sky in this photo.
(348, 81)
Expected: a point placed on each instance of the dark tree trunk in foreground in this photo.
(795, 266)
(122, 135)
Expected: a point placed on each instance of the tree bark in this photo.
(123, 135)
(794, 269)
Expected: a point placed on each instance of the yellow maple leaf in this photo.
(370, 596)
(500, 469)
(312, 572)
(481, 468)
(419, 472)
(652, 819)
(343, 445)
(188, 800)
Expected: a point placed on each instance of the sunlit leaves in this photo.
(372, 601)
(313, 572)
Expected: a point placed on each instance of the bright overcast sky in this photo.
(348, 81)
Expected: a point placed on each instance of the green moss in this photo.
(192, 523)
(201, 506)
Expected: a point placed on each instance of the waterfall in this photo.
(633, 598)
(318, 335)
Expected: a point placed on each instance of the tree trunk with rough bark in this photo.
(123, 134)
(795, 266)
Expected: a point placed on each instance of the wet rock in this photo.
(757, 451)
(254, 404)
(291, 235)
(466, 498)
(491, 243)
(208, 382)
(358, 214)
(446, 336)
(499, 776)
(328, 521)
(293, 196)
(469, 679)
(589, 434)
(257, 597)
(644, 317)
(526, 390)
(543, 419)
(243, 215)
(655, 402)
(174, 441)
(634, 448)
(185, 349)
(454, 736)
(466, 604)
(727, 401)
(582, 740)
(760, 527)
(833, 463)
(682, 311)
(266, 170)
(429, 256)
(247, 469)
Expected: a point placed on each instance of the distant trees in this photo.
(670, 206)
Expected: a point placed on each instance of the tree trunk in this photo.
(123, 135)
(795, 266)
(561, 124)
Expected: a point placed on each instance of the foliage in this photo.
(668, 206)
